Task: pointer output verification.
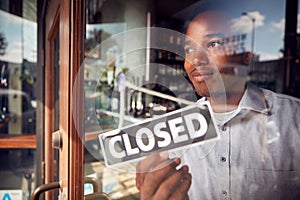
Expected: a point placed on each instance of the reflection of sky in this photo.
(12, 27)
(269, 25)
(269, 33)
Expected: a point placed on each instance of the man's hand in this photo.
(158, 178)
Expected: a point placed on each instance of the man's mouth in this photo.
(201, 76)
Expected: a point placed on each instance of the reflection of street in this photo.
(118, 184)
(109, 117)
(17, 130)
(101, 119)
(104, 122)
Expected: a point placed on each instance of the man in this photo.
(257, 155)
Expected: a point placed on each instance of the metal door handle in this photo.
(43, 188)
(97, 187)
(98, 194)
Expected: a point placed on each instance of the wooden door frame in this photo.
(52, 20)
(69, 15)
(77, 116)
(72, 26)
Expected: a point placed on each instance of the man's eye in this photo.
(188, 50)
(214, 44)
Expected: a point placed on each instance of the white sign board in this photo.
(11, 194)
(179, 129)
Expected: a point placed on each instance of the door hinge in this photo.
(56, 140)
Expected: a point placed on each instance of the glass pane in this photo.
(18, 60)
(56, 50)
(136, 68)
(18, 66)
(56, 82)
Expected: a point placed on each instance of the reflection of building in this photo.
(291, 50)
(17, 83)
(269, 74)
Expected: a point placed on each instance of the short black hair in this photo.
(207, 5)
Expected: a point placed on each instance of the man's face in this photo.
(204, 52)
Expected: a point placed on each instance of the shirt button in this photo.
(223, 159)
(224, 128)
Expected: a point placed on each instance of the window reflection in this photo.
(18, 70)
(18, 60)
(104, 64)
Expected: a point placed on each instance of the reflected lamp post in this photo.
(253, 30)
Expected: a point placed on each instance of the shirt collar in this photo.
(254, 99)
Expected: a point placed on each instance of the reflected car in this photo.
(16, 109)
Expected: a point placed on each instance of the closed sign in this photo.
(175, 130)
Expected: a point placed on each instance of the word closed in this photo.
(178, 129)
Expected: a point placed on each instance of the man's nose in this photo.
(200, 58)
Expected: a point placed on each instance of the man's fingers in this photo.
(153, 179)
(148, 164)
(178, 182)
(152, 161)
(181, 192)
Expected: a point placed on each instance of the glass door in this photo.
(63, 145)
(18, 99)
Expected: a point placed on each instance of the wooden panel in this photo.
(71, 157)
(76, 101)
(64, 103)
(17, 142)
